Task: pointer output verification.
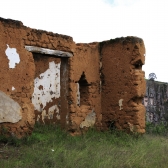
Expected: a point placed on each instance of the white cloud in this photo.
(98, 20)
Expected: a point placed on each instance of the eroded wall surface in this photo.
(18, 73)
(100, 85)
(123, 84)
(46, 95)
(16, 80)
(85, 94)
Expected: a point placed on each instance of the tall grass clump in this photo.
(157, 129)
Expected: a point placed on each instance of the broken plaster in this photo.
(50, 113)
(10, 111)
(47, 86)
(89, 120)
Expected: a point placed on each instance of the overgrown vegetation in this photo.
(50, 147)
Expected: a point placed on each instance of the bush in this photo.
(160, 129)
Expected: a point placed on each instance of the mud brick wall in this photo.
(85, 94)
(18, 72)
(16, 80)
(48, 78)
(123, 84)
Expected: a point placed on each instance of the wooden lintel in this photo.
(48, 51)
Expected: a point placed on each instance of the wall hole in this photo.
(138, 65)
(84, 90)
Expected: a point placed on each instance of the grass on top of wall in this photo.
(50, 147)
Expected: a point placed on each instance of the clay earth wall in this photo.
(17, 74)
(85, 95)
(123, 84)
(47, 78)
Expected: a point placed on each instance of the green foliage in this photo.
(158, 129)
(50, 147)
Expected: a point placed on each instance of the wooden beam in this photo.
(48, 51)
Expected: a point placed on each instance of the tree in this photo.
(152, 76)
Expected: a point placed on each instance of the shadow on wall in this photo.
(83, 91)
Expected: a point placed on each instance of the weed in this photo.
(157, 129)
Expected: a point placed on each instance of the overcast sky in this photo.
(98, 20)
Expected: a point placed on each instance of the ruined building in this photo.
(48, 78)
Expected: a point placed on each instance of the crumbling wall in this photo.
(16, 81)
(56, 109)
(47, 78)
(123, 84)
(85, 94)
(46, 95)
(18, 72)
(156, 102)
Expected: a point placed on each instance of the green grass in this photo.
(50, 147)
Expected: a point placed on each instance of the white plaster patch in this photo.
(51, 111)
(120, 103)
(13, 56)
(58, 117)
(13, 88)
(89, 120)
(10, 111)
(47, 86)
(78, 95)
(67, 119)
(38, 118)
(44, 115)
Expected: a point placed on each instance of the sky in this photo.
(99, 20)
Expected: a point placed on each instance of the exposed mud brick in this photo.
(85, 95)
(16, 63)
(123, 84)
(19, 70)
(45, 77)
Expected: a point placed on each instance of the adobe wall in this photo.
(123, 84)
(53, 80)
(85, 94)
(17, 75)
(16, 86)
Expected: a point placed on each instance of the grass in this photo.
(50, 147)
